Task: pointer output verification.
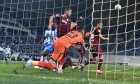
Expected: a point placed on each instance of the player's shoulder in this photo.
(59, 14)
(96, 28)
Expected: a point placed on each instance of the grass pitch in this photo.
(112, 74)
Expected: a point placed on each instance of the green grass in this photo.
(113, 74)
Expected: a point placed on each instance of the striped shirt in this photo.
(51, 36)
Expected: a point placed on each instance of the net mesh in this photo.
(22, 26)
(121, 52)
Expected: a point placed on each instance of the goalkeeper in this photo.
(61, 48)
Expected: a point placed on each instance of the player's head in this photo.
(99, 24)
(54, 26)
(7, 46)
(68, 11)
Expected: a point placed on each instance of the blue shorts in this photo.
(48, 47)
(6, 55)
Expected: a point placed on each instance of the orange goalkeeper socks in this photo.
(43, 64)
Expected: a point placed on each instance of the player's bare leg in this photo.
(43, 53)
(100, 64)
(61, 64)
(6, 59)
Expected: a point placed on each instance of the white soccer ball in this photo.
(118, 7)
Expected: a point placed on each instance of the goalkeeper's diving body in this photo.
(61, 49)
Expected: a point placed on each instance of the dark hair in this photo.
(67, 9)
(99, 22)
(78, 28)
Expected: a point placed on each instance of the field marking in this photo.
(33, 76)
(113, 70)
(43, 77)
(90, 80)
(111, 81)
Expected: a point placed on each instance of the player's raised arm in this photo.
(99, 26)
(51, 20)
(80, 19)
(103, 38)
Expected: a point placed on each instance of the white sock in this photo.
(41, 58)
(98, 70)
(73, 67)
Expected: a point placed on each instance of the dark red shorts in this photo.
(63, 30)
(97, 51)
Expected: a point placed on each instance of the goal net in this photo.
(121, 53)
(22, 25)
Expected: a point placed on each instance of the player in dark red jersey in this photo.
(95, 45)
(63, 22)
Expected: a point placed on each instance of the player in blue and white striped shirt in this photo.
(7, 53)
(49, 38)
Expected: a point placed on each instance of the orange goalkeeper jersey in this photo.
(70, 39)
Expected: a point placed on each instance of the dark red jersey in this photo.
(63, 23)
(62, 19)
(95, 37)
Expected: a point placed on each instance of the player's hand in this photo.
(107, 38)
(49, 27)
(80, 18)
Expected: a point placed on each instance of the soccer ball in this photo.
(118, 7)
